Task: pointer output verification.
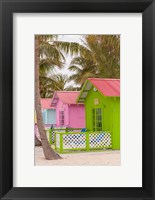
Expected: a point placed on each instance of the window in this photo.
(61, 118)
(97, 119)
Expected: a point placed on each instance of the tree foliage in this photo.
(55, 82)
(52, 54)
(101, 60)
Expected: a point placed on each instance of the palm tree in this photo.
(47, 85)
(73, 88)
(101, 60)
(48, 151)
(84, 68)
(106, 53)
(55, 82)
(48, 54)
(51, 83)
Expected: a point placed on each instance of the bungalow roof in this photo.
(68, 97)
(107, 87)
(46, 103)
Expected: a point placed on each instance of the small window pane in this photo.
(97, 119)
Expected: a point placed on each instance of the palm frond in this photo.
(72, 47)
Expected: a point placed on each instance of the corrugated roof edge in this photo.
(89, 79)
(105, 79)
(52, 107)
(66, 92)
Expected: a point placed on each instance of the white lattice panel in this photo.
(99, 139)
(74, 141)
(58, 140)
(52, 136)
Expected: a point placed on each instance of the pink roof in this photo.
(68, 97)
(108, 87)
(46, 103)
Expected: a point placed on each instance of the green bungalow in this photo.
(102, 106)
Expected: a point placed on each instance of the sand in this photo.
(108, 158)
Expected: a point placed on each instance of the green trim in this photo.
(70, 133)
(81, 91)
(50, 136)
(87, 141)
(61, 143)
(84, 132)
(86, 149)
(55, 141)
(65, 129)
(72, 151)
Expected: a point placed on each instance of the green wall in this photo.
(111, 114)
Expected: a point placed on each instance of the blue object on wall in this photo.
(49, 116)
(83, 130)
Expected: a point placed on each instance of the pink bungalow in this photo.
(68, 112)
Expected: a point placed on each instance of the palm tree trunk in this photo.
(49, 153)
(37, 142)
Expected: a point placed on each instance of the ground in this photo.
(108, 157)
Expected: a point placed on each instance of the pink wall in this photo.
(77, 116)
(74, 115)
(62, 107)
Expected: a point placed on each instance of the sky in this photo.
(68, 38)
